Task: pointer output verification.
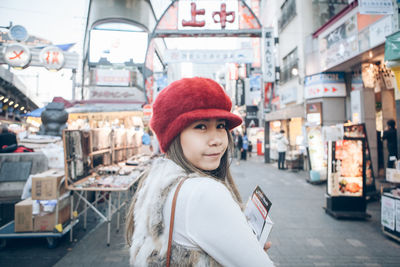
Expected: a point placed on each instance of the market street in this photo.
(302, 235)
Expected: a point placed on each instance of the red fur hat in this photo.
(186, 101)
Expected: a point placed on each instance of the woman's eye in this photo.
(200, 126)
(221, 126)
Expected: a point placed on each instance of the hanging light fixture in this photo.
(5, 100)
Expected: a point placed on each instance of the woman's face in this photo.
(204, 142)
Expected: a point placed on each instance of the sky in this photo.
(58, 21)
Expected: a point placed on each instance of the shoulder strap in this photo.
(171, 224)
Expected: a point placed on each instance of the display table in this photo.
(121, 188)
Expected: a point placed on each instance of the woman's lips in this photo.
(212, 155)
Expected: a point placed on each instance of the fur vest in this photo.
(150, 238)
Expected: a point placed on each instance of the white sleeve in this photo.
(215, 222)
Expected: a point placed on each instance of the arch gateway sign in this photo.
(204, 18)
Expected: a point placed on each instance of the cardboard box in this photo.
(46, 184)
(23, 216)
(392, 175)
(45, 222)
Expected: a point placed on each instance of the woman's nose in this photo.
(215, 138)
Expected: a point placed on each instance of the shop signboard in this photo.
(17, 55)
(52, 58)
(209, 56)
(117, 94)
(346, 176)
(109, 77)
(376, 7)
(269, 55)
(359, 131)
(325, 84)
(339, 44)
(316, 149)
(251, 119)
(379, 30)
(287, 95)
(253, 92)
(314, 113)
(388, 213)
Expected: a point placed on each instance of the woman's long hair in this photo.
(175, 153)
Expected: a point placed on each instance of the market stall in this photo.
(105, 162)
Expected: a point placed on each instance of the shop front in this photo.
(290, 120)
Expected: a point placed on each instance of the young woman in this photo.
(192, 120)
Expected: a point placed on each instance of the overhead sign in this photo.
(119, 94)
(17, 55)
(211, 15)
(209, 56)
(52, 58)
(375, 7)
(326, 84)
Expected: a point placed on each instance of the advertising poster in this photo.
(347, 168)
(358, 131)
(316, 148)
(388, 212)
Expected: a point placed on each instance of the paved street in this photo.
(303, 234)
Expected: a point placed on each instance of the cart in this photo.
(52, 238)
(7, 231)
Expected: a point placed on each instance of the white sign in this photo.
(379, 31)
(269, 74)
(287, 95)
(375, 7)
(388, 212)
(116, 94)
(52, 58)
(17, 55)
(210, 15)
(397, 215)
(328, 84)
(209, 56)
(112, 77)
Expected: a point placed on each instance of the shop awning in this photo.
(392, 47)
(294, 111)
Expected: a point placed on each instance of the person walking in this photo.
(245, 147)
(203, 225)
(282, 144)
(250, 148)
(390, 135)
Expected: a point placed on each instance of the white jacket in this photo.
(209, 230)
(281, 143)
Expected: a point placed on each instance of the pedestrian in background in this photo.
(245, 146)
(250, 148)
(390, 135)
(282, 145)
(7, 138)
(192, 119)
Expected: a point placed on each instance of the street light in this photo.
(295, 71)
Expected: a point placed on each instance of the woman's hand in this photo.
(267, 246)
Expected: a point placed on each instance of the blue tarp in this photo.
(34, 113)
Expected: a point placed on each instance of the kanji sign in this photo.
(208, 15)
(17, 55)
(269, 57)
(52, 58)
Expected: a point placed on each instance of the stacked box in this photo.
(46, 184)
(23, 216)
